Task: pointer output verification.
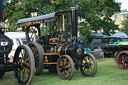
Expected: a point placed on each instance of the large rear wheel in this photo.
(65, 67)
(88, 65)
(24, 58)
(38, 51)
(122, 59)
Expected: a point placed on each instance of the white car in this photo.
(17, 38)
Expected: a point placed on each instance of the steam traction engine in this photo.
(58, 50)
(23, 62)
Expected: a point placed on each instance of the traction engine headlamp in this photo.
(79, 51)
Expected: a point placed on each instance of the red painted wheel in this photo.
(122, 59)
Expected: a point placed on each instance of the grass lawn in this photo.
(108, 73)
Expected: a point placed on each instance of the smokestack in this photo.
(1, 11)
(74, 22)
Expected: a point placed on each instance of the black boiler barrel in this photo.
(73, 50)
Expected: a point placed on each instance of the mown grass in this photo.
(108, 73)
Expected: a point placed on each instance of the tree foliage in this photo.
(92, 11)
(125, 25)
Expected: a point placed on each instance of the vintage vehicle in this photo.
(23, 63)
(112, 40)
(95, 42)
(120, 53)
(58, 50)
(117, 47)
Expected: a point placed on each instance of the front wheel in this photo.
(88, 65)
(24, 72)
(65, 67)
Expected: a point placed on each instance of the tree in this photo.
(125, 25)
(92, 11)
(15, 10)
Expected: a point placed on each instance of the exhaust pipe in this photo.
(74, 23)
(1, 11)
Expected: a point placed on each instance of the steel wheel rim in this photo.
(64, 67)
(123, 61)
(87, 65)
(36, 56)
(23, 70)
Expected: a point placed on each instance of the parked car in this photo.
(99, 41)
(114, 41)
(94, 42)
(17, 38)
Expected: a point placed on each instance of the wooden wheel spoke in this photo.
(62, 73)
(34, 50)
(28, 65)
(92, 63)
(31, 48)
(87, 71)
(90, 60)
(125, 55)
(122, 56)
(67, 73)
(26, 60)
(31, 29)
(60, 69)
(36, 55)
(26, 69)
(65, 61)
(61, 63)
(91, 68)
(23, 76)
(68, 66)
(69, 69)
(68, 63)
(26, 75)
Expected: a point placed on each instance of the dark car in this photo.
(95, 42)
